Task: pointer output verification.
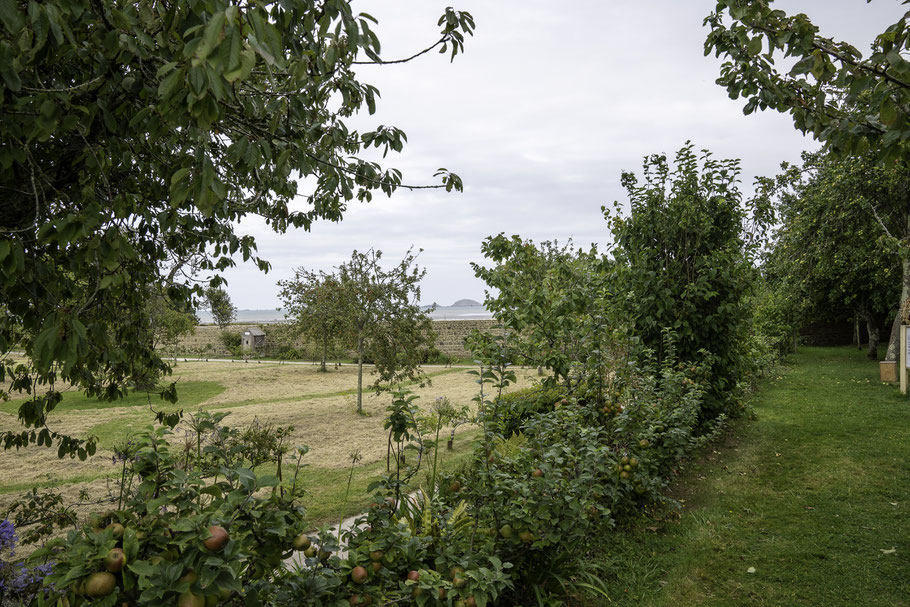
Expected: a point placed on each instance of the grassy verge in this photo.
(807, 505)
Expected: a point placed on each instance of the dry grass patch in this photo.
(332, 428)
(285, 395)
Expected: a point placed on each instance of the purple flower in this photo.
(8, 537)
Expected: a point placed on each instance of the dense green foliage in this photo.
(135, 137)
(827, 258)
(683, 265)
(168, 502)
(222, 309)
(315, 303)
(857, 106)
(547, 297)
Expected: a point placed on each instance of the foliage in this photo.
(219, 302)
(515, 408)
(168, 323)
(317, 305)
(384, 318)
(169, 502)
(546, 300)
(683, 264)
(19, 584)
(777, 314)
(853, 104)
(828, 249)
(136, 137)
(231, 340)
(857, 106)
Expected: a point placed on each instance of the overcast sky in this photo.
(549, 104)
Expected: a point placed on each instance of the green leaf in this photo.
(211, 36)
(10, 16)
(7, 70)
(888, 111)
(169, 83)
(755, 46)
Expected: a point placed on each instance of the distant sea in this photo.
(272, 316)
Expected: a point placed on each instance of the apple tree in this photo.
(547, 299)
(856, 105)
(135, 138)
(384, 318)
(827, 250)
(314, 302)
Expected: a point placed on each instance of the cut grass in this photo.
(802, 506)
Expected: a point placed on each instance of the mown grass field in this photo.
(807, 505)
(320, 407)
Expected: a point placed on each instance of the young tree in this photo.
(223, 311)
(315, 302)
(547, 300)
(384, 317)
(135, 137)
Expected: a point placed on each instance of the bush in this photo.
(173, 506)
(515, 408)
(231, 341)
(684, 265)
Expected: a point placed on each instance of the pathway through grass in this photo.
(807, 505)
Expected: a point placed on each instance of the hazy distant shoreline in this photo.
(471, 312)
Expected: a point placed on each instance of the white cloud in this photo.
(551, 101)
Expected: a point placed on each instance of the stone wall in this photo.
(207, 338)
(450, 334)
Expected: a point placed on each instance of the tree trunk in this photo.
(451, 439)
(857, 341)
(325, 348)
(360, 375)
(872, 329)
(893, 344)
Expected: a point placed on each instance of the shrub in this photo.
(515, 408)
(683, 264)
(169, 511)
(231, 341)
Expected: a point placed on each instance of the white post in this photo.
(904, 359)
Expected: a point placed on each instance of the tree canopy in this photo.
(135, 136)
(223, 310)
(829, 249)
(852, 103)
(315, 303)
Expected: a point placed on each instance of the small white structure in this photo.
(251, 339)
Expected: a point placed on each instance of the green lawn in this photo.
(191, 394)
(809, 504)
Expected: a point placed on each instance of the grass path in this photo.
(807, 505)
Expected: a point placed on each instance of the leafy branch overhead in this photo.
(135, 137)
(851, 102)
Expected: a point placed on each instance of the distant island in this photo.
(466, 303)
